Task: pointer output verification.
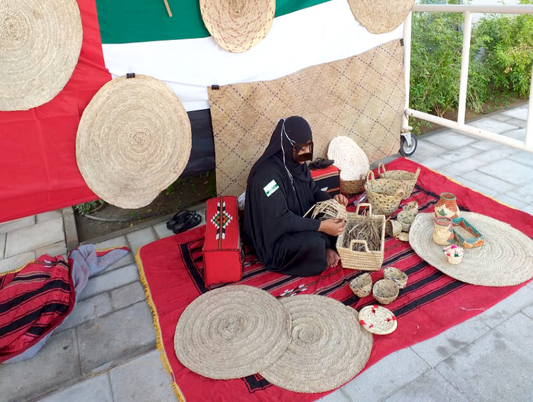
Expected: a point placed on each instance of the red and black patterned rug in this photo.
(172, 268)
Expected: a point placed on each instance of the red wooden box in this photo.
(223, 260)
(327, 179)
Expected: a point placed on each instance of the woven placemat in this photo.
(232, 332)
(238, 25)
(506, 259)
(349, 158)
(378, 320)
(329, 346)
(381, 16)
(133, 141)
(40, 43)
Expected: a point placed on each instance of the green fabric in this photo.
(126, 21)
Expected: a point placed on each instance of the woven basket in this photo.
(395, 275)
(408, 179)
(329, 209)
(350, 187)
(368, 260)
(362, 285)
(385, 291)
(405, 218)
(385, 195)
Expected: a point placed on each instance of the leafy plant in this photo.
(87, 207)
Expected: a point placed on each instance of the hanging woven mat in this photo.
(381, 16)
(408, 179)
(349, 158)
(378, 320)
(506, 259)
(238, 25)
(232, 332)
(133, 141)
(40, 43)
(329, 346)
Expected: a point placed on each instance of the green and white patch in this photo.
(270, 188)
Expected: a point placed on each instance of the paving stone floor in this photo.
(105, 351)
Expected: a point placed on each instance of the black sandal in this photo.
(320, 163)
(179, 218)
(191, 220)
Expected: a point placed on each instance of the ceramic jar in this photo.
(442, 233)
(447, 206)
(453, 254)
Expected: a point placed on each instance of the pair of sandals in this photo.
(183, 221)
(320, 163)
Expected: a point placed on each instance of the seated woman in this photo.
(280, 191)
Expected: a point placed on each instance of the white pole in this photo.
(465, 58)
(529, 128)
(407, 67)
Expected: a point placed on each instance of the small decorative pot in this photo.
(442, 233)
(447, 206)
(453, 254)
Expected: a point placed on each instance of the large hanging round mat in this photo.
(40, 43)
(238, 25)
(381, 16)
(232, 332)
(134, 140)
(349, 158)
(329, 346)
(506, 259)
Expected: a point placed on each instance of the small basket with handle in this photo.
(408, 179)
(385, 195)
(372, 230)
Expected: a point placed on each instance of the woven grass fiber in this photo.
(133, 141)
(232, 332)
(362, 97)
(238, 25)
(329, 346)
(506, 259)
(378, 320)
(381, 16)
(40, 43)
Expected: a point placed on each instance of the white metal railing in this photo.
(459, 125)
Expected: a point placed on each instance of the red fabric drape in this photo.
(38, 170)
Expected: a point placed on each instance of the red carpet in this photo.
(432, 302)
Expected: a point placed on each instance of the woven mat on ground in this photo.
(361, 97)
(431, 302)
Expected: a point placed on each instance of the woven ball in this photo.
(329, 346)
(381, 16)
(238, 25)
(40, 43)
(232, 332)
(134, 140)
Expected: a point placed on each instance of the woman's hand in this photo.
(341, 199)
(332, 227)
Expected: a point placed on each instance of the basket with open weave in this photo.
(385, 195)
(408, 179)
(350, 187)
(362, 244)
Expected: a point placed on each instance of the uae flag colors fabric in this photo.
(38, 171)
(172, 270)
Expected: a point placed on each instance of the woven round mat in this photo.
(329, 346)
(40, 42)
(381, 16)
(232, 332)
(349, 158)
(134, 140)
(378, 320)
(506, 259)
(238, 25)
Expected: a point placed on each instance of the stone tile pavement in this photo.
(105, 351)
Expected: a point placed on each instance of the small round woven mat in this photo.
(232, 332)
(378, 320)
(349, 158)
(238, 25)
(506, 259)
(133, 141)
(329, 346)
(40, 43)
(381, 16)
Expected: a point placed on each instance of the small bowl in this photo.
(385, 291)
(362, 285)
(453, 254)
(397, 276)
(406, 218)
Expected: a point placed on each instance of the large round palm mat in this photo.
(431, 302)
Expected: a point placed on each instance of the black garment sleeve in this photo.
(318, 194)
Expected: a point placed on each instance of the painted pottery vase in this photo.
(453, 254)
(447, 206)
(442, 231)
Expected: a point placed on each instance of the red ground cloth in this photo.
(431, 303)
(38, 170)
